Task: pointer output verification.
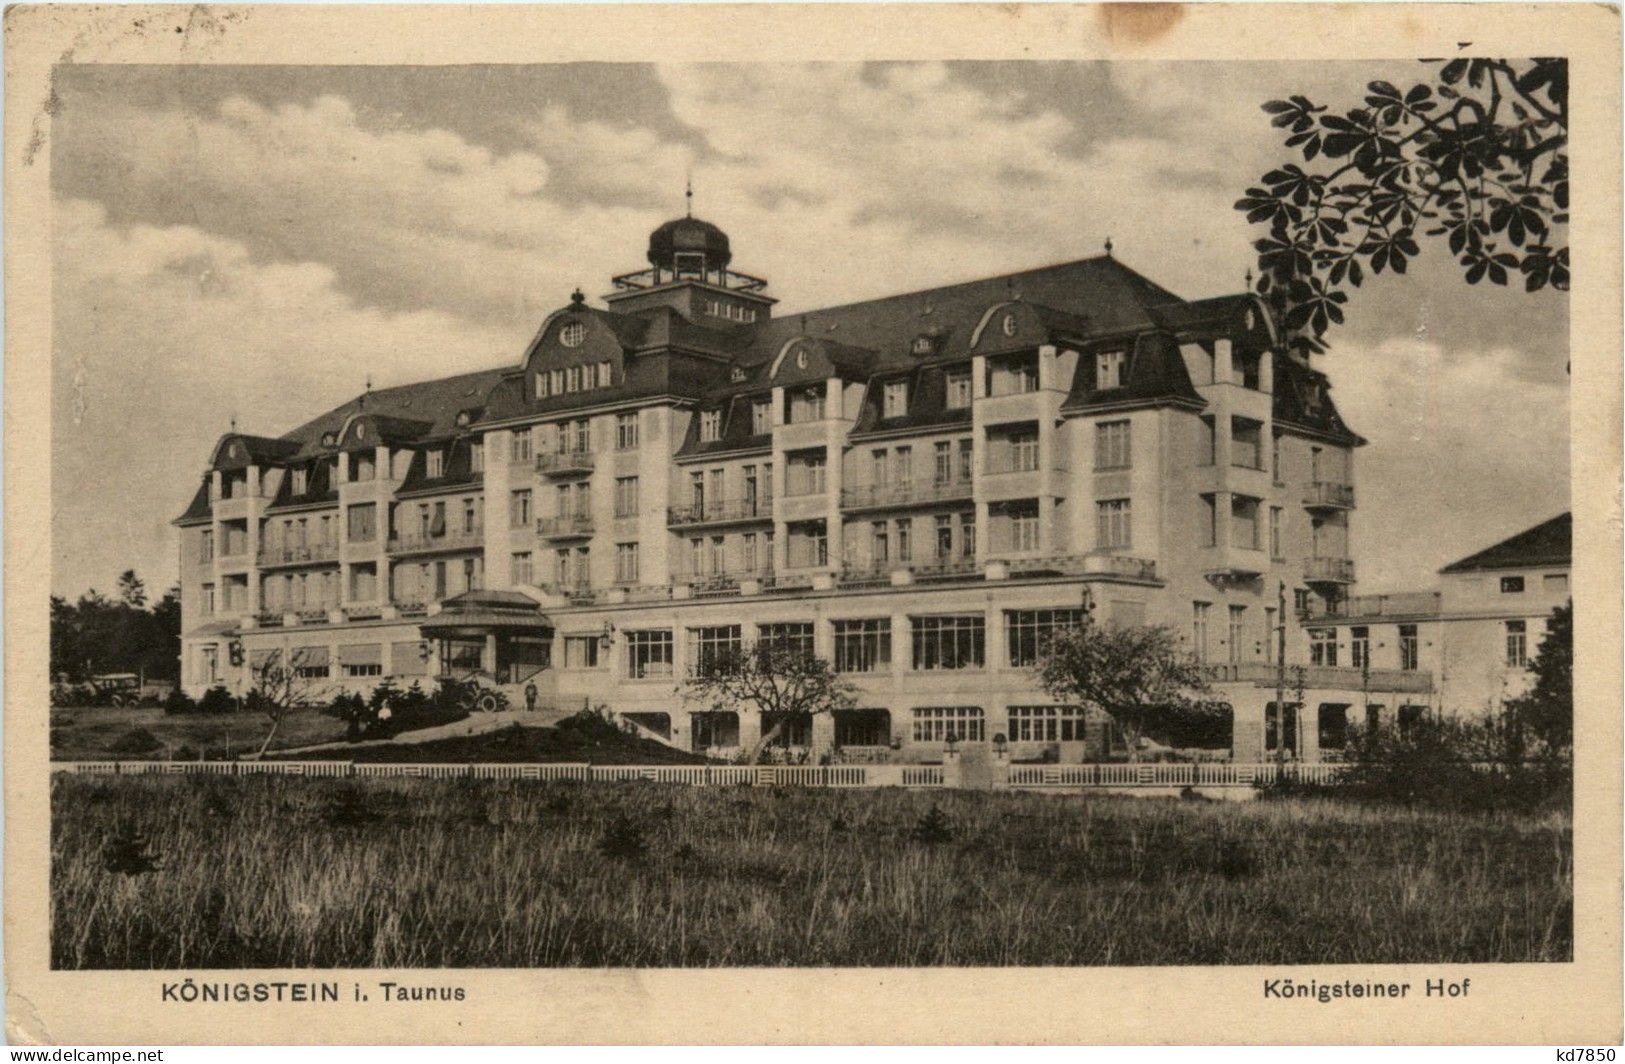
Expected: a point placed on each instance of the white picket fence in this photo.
(1023, 777)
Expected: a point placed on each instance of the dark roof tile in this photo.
(1548, 543)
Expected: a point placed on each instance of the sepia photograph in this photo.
(933, 513)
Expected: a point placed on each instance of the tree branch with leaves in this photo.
(1139, 675)
(780, 680)
(1476, 154)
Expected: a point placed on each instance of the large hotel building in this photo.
(915, 487)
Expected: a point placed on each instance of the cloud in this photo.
(162, 334)
(1463, 452)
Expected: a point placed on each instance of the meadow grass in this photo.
(287, 872)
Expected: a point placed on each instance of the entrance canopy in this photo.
(480, 613)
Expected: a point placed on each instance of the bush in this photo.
(135, 741)
(216, 700)
(178, 703)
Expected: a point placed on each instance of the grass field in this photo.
(268, 871)
(93, 732)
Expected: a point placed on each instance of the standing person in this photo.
(530, 697)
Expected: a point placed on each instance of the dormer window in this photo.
(1109, 369)
(573, 334)
(300, 481)
(436, 466)
(737, 375)
(958, 381)
(542, 385)
(710, 426)
(761, 417)
(923, 345)
(895, 401)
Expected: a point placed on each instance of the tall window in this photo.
(1323, 646)
(945, 536)
(1114, 525)
(807, 404)
(301, 481)
(1360, 647)
(626, 563)
(1407, 647)
(809, 545)
(435, 464)
(1246, 443)
(522, 571)
(761, 417)
(863, 646)
(895, 401)
(967, 535)
(1517, 644)
(519, 508)
(1243, 522)
(958, 389)
(943, 466)
(520, 446)
(471, 517)
(1275, 532)
(1024, 451)
(719, 557)
(1109, 369)
(938, 724)
(626, 432)
(1199, 619)
(951, 642)
(476, 457)
(1269, 634)
(795, 637)
(205, 546)
(747, 548)
(1112, 443)
(626, 496)
(805, 475)
(967, 451)
(1238, 635)
(712, 645)
(905, 539)
(363, 522)
(648, 654)
(879, 543)
(1028, 632)
(710, 426)
(581, 651)
(208, 599)
(1275, 457)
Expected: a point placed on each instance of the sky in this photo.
(255, 243)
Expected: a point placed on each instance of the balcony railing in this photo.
(1082, 565)
(321, 552)
(905, 493)
(565, 526)
(268, 619)
(1334, 677)
(561, 463)
(419, 543)
(1404, 604)
(946, 569)
(721, 511)
(1010, 464)
(1329, 570)
(364, 611)
(1329, 495)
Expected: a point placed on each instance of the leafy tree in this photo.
(1547, 711)
(1476, 154)
(132, 591)
(781, 681)
(1137, 674)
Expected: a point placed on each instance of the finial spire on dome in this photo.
(688, 197)
(1108, 247)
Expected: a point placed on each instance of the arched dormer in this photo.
(577, 349)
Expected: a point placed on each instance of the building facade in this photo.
(1475, 634)
(917, 487)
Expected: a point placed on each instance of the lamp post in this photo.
(1280, 677)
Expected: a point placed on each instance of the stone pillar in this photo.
(488, 656)
(1222, 365)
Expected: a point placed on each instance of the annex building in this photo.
(916, 487)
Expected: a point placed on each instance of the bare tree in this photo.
(279, 684)
(1136, 674)
(779, 679)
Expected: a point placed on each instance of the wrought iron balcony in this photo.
(271, 557)
(1329, 495)
(565, 463)
(720, 512)
(1329, 570)
(904, 493)
(419, 543)
(565, 526)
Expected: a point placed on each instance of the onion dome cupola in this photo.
(688, 272)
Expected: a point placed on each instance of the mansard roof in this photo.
(1154, 372)
(1549, 543)
(433, 402)
(1302, 400)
